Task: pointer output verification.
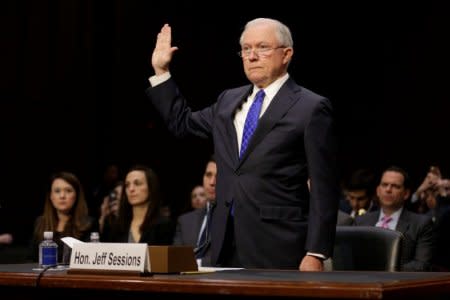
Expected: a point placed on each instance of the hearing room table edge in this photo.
(24, 283)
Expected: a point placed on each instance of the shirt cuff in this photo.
(158, 79)
(318, 255)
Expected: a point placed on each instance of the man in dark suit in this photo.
(419, 239)
(360, 193)
(344, 219)
(265, 216)
(193, 225)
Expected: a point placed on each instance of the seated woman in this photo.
(65, 214)
(139, 219)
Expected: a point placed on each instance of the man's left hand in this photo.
(311, 263)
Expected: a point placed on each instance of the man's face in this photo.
(209, 181)
(358, 199)
(391, 190)
(263, 57)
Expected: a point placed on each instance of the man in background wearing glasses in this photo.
(269, 137)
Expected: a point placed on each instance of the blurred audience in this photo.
(442, 257)
(198, 197)
(359, 191)
(418, 244)
(139, 219)
(65, 214)
(433, 195)
(6, 239)
(427, 191)
(111, 175)
(193, 227)
(344, 219)
(110, 206)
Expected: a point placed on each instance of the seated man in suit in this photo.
(359, 191)
(344, 218)
(193, 227)
(418, 243)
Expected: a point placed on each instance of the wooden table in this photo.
(22, 281)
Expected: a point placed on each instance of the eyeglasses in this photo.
(261, 51)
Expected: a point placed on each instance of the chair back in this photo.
(366, 248)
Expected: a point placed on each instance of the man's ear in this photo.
(407, 194)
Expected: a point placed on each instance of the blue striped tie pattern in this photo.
(251, 121)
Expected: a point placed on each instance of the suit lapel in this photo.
(279, 106)
(198, 224)
(229, 112)
(403, 222)
(372, 218)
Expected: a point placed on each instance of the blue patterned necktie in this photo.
(249, 127)
(252, 120)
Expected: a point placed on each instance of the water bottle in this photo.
(95, 237)
(48, 251)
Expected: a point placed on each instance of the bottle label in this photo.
(49, 256)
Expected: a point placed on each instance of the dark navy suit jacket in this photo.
(276, 219)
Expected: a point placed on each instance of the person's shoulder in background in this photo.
(344, 218)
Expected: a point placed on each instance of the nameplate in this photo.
(130, 257)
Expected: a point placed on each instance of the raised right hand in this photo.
(163, 52)
(6, 238)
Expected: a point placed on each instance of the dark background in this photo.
(73, 76)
